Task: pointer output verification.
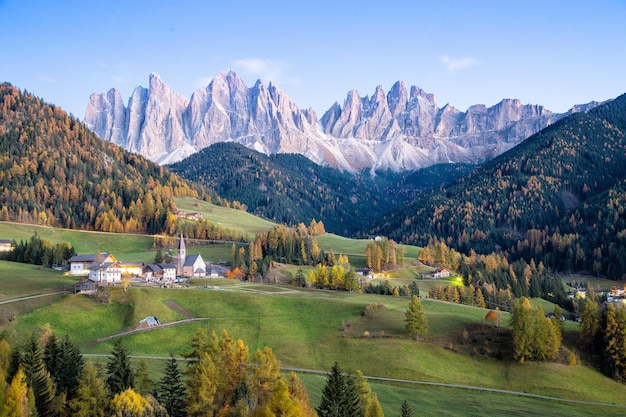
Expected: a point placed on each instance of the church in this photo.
(189, 265)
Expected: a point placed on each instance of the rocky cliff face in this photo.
(399, 130)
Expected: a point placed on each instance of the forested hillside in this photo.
(557, 198)
(54, 171)
(290, 189)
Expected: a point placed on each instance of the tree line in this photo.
(49, 377)
(55, 172)
(498, 280)
(556, 199)
(38, 251)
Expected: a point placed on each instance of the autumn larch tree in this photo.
(415, 319)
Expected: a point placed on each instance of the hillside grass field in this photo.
(309, 329)
(312, 329)
(227, 217)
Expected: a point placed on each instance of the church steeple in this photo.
(182, 255)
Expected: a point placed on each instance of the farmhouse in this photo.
(441, 273)
(159, 272)
(105, 272)
(80, 264)
(5, 245)
(131, 268)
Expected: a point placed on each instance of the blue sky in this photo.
(554, 53)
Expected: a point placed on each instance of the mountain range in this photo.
(402, 130)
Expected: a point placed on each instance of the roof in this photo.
(5, 241)
(153, 267)
(181, 242)
(167, 266)
(191, 259)
(87, 257)
(131, 264)
(103, 265)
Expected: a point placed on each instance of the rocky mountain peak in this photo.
(398, 130)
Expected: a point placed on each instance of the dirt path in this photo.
(173, 305)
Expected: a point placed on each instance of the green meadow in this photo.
(312, 329)
(306, 328)
(227, 217)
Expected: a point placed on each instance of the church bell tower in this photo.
(182, 254)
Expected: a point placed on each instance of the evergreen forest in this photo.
(55, 172)
(557, 199)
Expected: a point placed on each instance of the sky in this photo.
(555, 53)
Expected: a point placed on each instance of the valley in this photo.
(463, 237)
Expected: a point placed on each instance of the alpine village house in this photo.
(105, 269)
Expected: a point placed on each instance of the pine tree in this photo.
(523, 330)
(614, 348)
(202, 386)
(415, 319)
(120, 375)
(298, 391)
(405, 411)
(589, 323)
(374, 409)
(158, 256)
(91, 395)
(171, 391)
(38, 378)
(340, 396)
(70, 364)
(333, 394)
(16, 400)
(51, 354)
(143, 382)
(266, 374)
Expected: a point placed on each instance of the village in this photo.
(98, 269)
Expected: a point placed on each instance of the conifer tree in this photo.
(614, 346)
(523, 329)
(38, 378)
(589, 323)
(333, 394)
(340, 396)
(298, 392)
(91, 395)
(405, 410)
(373, 408)
(16, 399)
(143, 382)
(70, 364)
(415, 319)
(202, 386)
(171, 391)
(120, 375)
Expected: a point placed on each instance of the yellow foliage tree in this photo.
(130, 404)
(16, 401)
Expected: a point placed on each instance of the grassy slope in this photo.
(304, 329)
(226, 217)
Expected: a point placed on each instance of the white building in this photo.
(105, 273)
(80, 264)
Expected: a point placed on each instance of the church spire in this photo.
(182, 255)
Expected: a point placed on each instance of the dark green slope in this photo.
(291, 189)
(555, 198)
(54, 171)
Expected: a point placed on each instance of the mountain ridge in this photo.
(556, 198)
(401, 130)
